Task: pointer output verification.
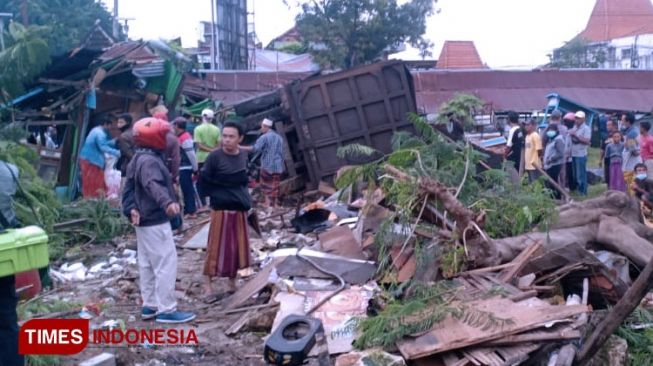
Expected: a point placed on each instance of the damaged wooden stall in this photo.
(95, 80)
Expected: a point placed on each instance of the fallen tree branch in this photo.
(412, 231)
(463, 216)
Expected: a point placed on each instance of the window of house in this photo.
(625, 53)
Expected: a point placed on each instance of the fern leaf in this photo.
(356, 150)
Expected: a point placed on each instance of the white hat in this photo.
(267, 122)
(208, 113)
(580, 115)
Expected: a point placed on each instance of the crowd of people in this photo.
(208, 165)
(561, 151)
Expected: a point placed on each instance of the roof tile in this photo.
(613, 19)
(459, 55)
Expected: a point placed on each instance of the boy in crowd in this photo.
(642, 186)
(149, 201)
(515, 141)
(533, 151)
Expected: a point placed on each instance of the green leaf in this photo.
(355, 150)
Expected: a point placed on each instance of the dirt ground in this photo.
(120, 299)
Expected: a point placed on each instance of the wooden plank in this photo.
(520, 262)
(556, 334)
(477, 356)
(407, 271)
(252, 287)
(340, 240)
(399, 258)
(487, 269)
(240, 323)
(452, 333)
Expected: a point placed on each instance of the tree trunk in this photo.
(612, 220)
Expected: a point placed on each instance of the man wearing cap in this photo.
(270, 145)
(207, 137)
(580, 140)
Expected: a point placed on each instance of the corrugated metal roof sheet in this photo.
(234, 86)
(137, 51)
(527, 90)
(150, 69)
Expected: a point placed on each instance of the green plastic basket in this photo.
(22, 250)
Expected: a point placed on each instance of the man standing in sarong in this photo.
(270, 145)
(224, 179)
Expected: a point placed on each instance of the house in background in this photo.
(621, 32)
(459, 55)
(271, 59)
(289, 38)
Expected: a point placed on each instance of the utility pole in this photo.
(23, 12)
(216, 40)
(116, 25)
(213, 53)
(2, 28)
(125, 27)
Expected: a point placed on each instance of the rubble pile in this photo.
(425, 256)
(405, 268)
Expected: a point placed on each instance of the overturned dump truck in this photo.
(321, 113)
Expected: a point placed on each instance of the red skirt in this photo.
(228, 246)
(92, 180)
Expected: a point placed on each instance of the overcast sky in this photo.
(507, 33)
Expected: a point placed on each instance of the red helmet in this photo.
(151, 132)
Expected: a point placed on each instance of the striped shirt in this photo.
(271, 147)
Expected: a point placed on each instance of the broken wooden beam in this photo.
(520, 262)
(555, 184)
(73, 83)
(68, 224)
(537, 336)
